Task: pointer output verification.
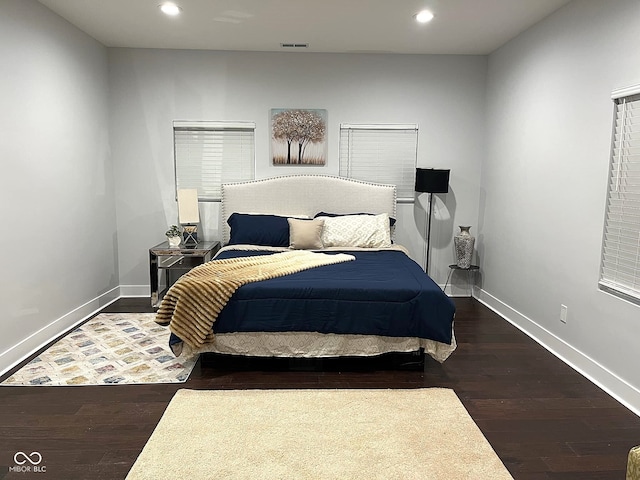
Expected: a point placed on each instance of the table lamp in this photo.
(188, 215)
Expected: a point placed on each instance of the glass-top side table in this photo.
(470, 271)
(167, 264)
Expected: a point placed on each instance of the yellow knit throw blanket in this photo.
(193, 303)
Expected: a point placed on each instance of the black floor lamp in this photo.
(431, 180)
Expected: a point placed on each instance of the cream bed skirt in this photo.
(314, 345)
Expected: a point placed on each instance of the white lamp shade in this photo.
(188, 206)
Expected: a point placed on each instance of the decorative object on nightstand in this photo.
(430, 180)
(173, 236)
(188, 214)
(167, 264)
(464, 243)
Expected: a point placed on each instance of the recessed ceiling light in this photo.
(170, 8)
(424, 16)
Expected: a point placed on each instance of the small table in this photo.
(175, 262)
(470, 270)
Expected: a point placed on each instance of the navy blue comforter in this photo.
(380, 293)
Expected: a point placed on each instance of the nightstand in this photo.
(470, 271)
(167, 264)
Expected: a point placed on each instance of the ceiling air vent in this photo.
(294, 45)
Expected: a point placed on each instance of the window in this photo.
(380, 154)
(620, 271)
(208, 154)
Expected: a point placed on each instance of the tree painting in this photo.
(299, 137)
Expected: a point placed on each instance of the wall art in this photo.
(298, 136)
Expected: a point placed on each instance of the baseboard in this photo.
(36, 341)
(135, 291)
(604, 378)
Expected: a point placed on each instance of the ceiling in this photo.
(473, 27)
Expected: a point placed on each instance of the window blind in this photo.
(380, 153)
(620, 271)
(208, 154)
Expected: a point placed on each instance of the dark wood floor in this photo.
(543, 419)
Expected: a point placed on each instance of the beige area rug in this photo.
(111, 348)
(317, 434)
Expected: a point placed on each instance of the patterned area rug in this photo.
(112, 348)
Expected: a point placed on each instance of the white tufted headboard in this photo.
(305, 195)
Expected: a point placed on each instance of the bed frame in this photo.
(305, 195)
(308, 195)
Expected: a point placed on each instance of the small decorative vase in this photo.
(463, 243)
(174, 241)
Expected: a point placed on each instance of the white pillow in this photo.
(370, 231)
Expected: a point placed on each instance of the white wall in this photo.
(59, 257)
(544, 182)
(151, 88)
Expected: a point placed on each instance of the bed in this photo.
(315, 273)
